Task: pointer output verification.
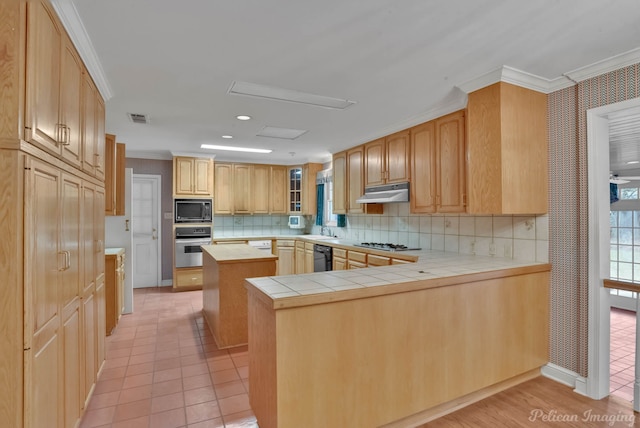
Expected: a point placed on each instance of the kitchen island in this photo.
(224, 297)
(396, 345)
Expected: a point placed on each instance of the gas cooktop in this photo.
(386, 247)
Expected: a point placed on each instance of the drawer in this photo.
(339, 252)
(188, 278)
(300, 244)
(374, 260)
(356, 265)
(240, 241)
(400, 261)
(285, 242)
(308, 246)
(357, 256)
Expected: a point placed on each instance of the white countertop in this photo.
(430, 265)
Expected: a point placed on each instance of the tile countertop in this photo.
(433, 269)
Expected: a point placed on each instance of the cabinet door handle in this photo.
(126, 225)
(68, 257)
(65, 135)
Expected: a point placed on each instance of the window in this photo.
(628, 193)
(330, 219)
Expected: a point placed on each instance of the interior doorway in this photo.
(145, 219)
(599, 357)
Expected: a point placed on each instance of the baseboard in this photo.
(565, 377)
(166, 283)
(443, 409)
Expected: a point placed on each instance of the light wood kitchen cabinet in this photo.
(260, 189)
(376, 260)
(50, 353)
(187, 279)
(278, 190)
(241, 189)
(295, 190)
(340, 183)
(356, 260)
(339, 259)
(309, 193)
(114, 287)
(438, 165)
(386, 160)
(285, 250)
(93, 136)
(308, 257)
(300, 259)
(192, 177)
(114, 176)
(223, 188)
(507, 151)
(355, 184)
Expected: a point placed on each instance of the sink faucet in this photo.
(323, 229)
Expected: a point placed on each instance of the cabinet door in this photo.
(203, 173)
(340, 183)
(308, 259)
(286, 257)
(90, 329)
(278, 190)
(374, 163)
(339, 263)
(397, 157)
(223, 188)
(89, 135)
(241, 189)
(73, 388)
(100, 321)
(43, 77)
(70, 104)
(295, 190)
(99, 136)
(451, 163)
(423, 168)
(183, 175)
(300, 260)
(110, 175)
(355, 188)
(260, 175)
(309, 192)
(43, 335)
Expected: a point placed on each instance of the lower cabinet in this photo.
(299, 259)
(114, 287)
(285, 250)
(339, 259)
(187, 279)
(308, 257)
(356, 260)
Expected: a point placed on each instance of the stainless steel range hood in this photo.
(384, 194)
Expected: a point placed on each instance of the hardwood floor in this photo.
(541, 402)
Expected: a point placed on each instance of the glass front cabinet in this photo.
(295, 189)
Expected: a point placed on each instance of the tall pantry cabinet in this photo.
(51, 222)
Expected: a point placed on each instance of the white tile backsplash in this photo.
(513, 237)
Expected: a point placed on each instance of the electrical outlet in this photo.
(508, 251)
(473, 247)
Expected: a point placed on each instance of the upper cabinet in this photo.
(386, 160)
(192, 177)
(223, 188)
(114, 176)
(355, 185)
(64, 113)
(278, 189)
(340, 183)
(507, 151)
(438, 165)
(242, 190)
(309, 194)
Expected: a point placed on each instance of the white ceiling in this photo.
(402, 62)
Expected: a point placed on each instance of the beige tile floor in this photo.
(163, 370)
(623, 350)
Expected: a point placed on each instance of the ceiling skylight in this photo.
(234, 149)
(281, 94)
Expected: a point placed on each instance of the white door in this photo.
(118, 234)
(145, 216)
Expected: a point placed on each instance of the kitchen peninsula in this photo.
(394, 345)
(224, 297)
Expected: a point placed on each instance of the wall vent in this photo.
(138, 118)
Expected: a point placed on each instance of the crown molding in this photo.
(154, 155)
(608, 65)
(516, 77)
(193, 154)
(71, 21)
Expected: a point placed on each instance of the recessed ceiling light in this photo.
(227, 136)
(632, 162)
(243, 117)
(234, 149)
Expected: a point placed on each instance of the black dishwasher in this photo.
(322, 258)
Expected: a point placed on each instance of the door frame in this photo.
(597, 381)
(158, 179)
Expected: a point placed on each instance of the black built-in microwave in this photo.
(192, 210)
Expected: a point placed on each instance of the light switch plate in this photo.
(168, 216)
